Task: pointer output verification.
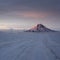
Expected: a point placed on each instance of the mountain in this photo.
(40, 28)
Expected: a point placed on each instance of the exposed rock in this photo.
(40, 28)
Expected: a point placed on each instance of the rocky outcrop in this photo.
(40, 28)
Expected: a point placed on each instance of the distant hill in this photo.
(40, 28)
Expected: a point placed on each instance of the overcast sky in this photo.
(23, 14)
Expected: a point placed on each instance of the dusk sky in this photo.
(23, 14)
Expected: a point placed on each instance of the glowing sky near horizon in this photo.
(23, 14)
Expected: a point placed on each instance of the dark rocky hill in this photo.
(40, 28)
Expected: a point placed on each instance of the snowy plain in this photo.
(29, 46)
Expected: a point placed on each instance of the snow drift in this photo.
(29, 46)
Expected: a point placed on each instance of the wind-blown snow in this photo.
(29, 46)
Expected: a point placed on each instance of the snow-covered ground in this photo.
(29, 46)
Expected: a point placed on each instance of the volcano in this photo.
(40, 28)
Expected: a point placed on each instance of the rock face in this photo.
(40, 28)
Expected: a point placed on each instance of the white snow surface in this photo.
(29, 46)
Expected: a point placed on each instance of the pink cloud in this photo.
(32, 14)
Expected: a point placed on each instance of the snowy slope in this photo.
(40, 28)
(29, 46)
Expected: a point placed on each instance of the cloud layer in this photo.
(30, 5)
(46, 10)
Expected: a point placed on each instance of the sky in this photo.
(23, 14)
